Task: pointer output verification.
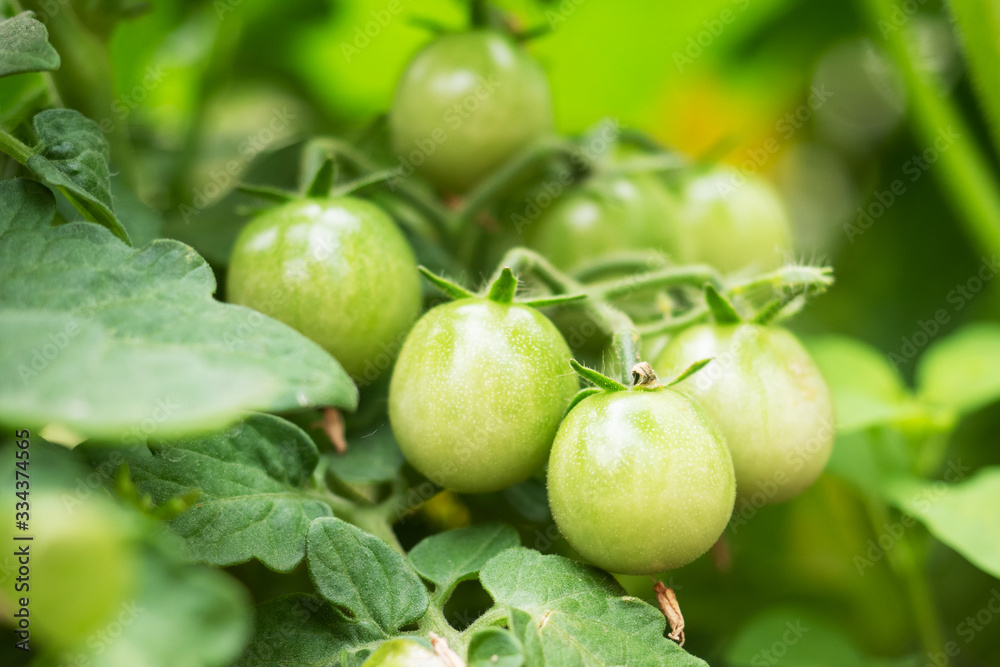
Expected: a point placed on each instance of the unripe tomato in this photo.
(732, 224)
(338, 270)
(768, 398)
(608, 213)
(467, 103)
(80, 572)
(402, 653)
(478, 392)
(640, 481)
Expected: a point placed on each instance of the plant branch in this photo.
(610, 319)
(13, 147)
(437, 216)
(674, 323)
(695, 275)
(508, 173)
(793, 277)
(965, 172)
(618, 263)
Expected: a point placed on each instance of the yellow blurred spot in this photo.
(445, 511)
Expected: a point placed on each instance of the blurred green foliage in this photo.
(200, 85)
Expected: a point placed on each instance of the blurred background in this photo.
(861, 114)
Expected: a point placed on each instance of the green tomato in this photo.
(640, 481)
(338, 270)
(769, 400)
(732, 224)
(478, 392)
(466, 104)
(82, 569)
(402, 653)
(608, 213)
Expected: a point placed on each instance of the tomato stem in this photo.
(966, 175)
(619, 263)
(676, 323)
(13, 147)
(796, 276)
(509, 173)
(436, 215)
(695, 275)
(626, 340)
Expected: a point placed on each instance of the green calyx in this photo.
(721, 308)
(643, 379)
(503, 287)
(501, 290)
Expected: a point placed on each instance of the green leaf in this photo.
(123, 344)
(362, 575)
(866, 390)
(449, 558)
(303, 631)
(979, 27)
(24, 46)
(142, 223)
(596, 378)
(72, 155)
(495, 647)
(963, 370)
(25, 205)
(567, 613)
(965, 515)
(370, 457)
(789, 637)
(182, 615)
(252, 478)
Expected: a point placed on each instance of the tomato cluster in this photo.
(642, 477)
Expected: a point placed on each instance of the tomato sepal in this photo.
(580, 395)
(452, 290)
(596, 378)
(723, 311)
